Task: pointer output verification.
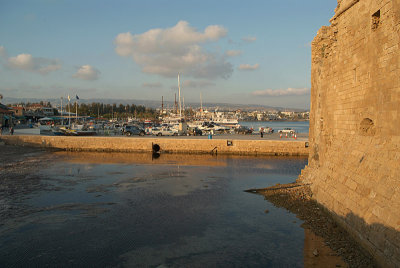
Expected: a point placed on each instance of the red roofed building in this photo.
(18, 110)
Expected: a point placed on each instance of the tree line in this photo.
(96, 109)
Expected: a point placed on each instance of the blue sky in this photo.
(248, 52)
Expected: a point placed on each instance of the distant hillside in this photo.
(153, 104)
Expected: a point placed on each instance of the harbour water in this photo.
(299, 126)
(116, 209)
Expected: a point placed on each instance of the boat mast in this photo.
(76, 111)
(162, 104)
(69, 111)
(62, 120)
(179, 96)
(201, 104)
(175, 106)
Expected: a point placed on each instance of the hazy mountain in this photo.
(150, 104)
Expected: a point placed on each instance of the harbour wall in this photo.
(354, 160)
(167, 145)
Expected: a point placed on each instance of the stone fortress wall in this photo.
(354, 160)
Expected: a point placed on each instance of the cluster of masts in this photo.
(181, 104)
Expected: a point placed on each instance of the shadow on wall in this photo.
(383, 251)
(382, 241)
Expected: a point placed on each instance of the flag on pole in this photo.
(77, 97)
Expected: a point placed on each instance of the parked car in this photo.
(243, 130)
(133, 130)
(194, 131)
(165, 132)
(151, 129)
(266, 130)
(287, 130)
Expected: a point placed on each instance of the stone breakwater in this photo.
(174, 145)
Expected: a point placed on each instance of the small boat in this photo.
(57, 132)
(66, 131)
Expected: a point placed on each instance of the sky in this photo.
(241, 52)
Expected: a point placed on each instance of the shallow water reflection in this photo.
(116, 209)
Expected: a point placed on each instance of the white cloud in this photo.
(249, 39)
(233, 53)
(248, 67)
(87, 72)
(37, 65)
(152, 85)
(197, 84)
(22, 61)
(174, 50)
(282, 92)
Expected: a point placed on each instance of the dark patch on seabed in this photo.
(94, 209)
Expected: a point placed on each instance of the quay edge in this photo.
(189, 146)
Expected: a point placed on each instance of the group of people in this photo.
(11, 130)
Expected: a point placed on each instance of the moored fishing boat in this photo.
(228, 122)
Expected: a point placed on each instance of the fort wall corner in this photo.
(354, 159)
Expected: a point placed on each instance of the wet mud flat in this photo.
(17, 176)
(297, 198)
